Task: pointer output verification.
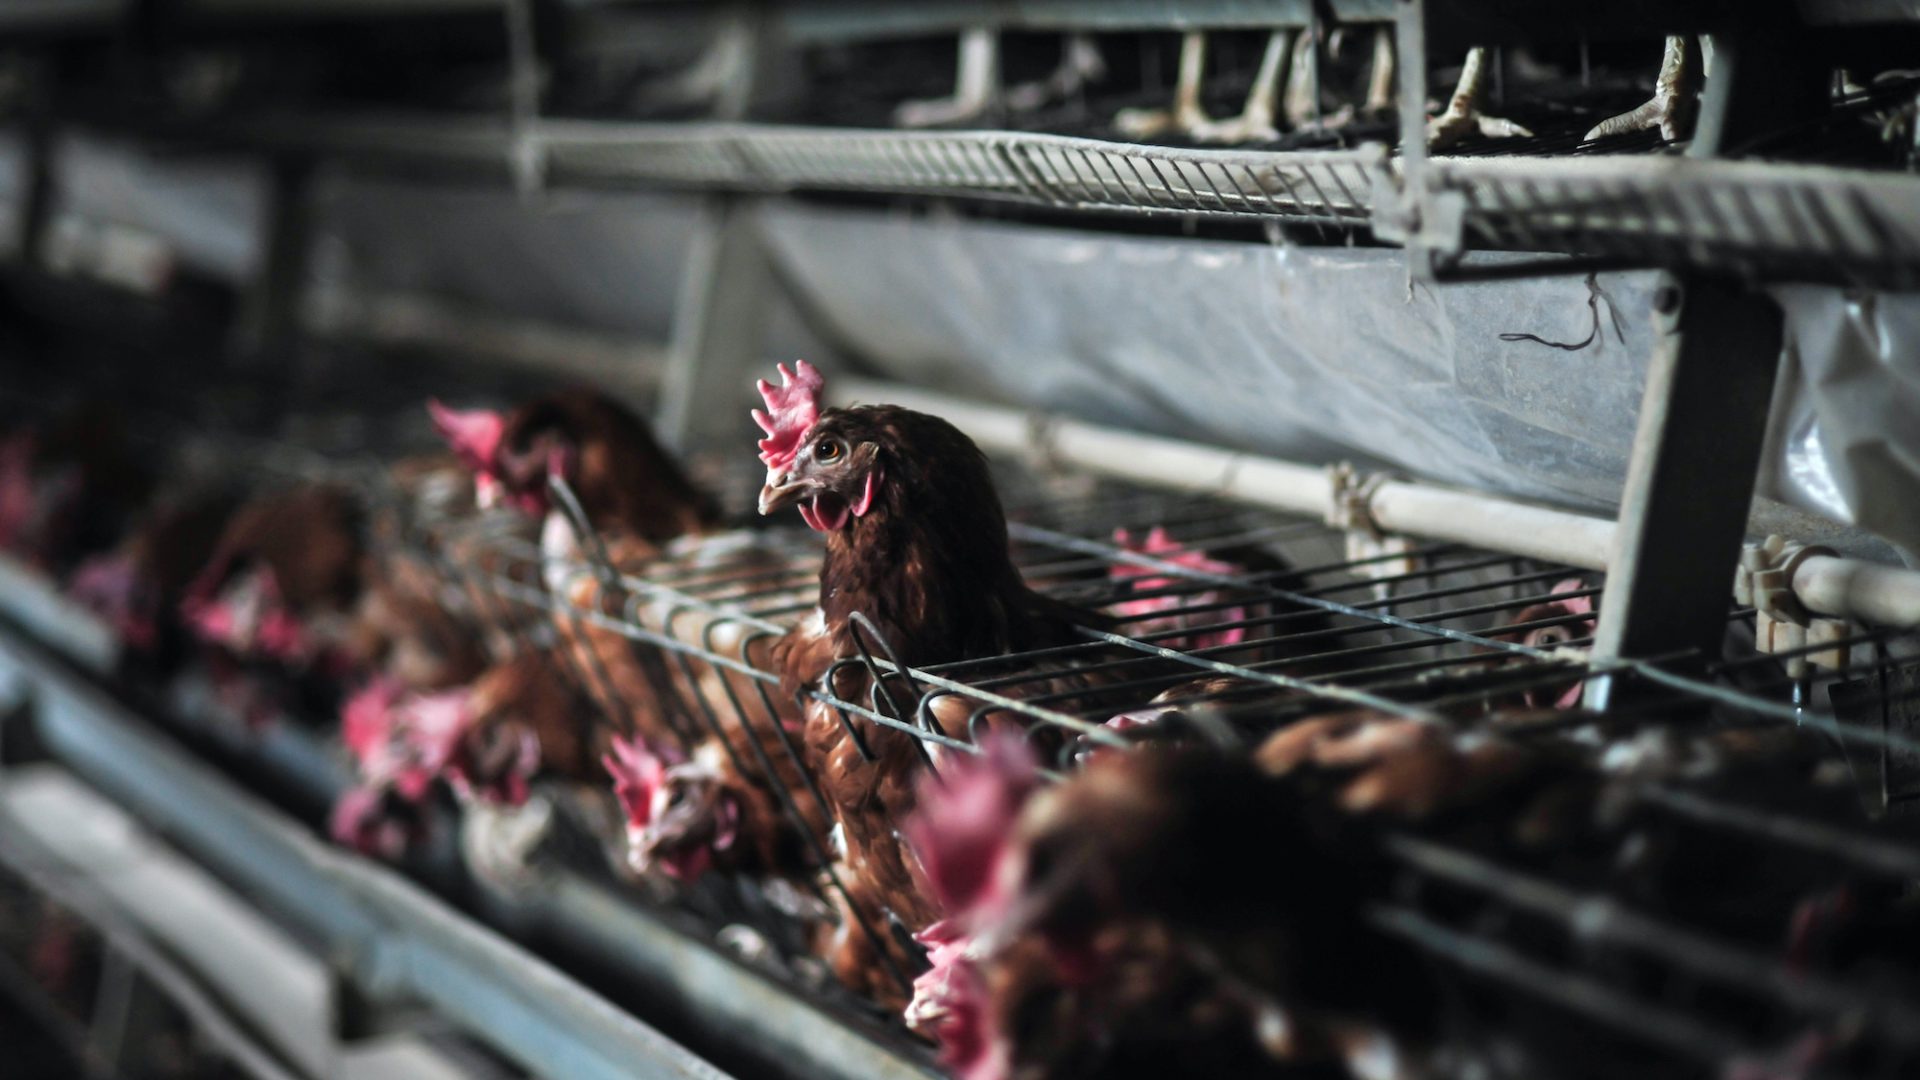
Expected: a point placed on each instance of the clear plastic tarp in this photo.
(1526, 387)
(208, 211)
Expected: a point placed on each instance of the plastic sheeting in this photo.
(1325, 353)
(209, 211)
(1305, 353)
(591, 261)
(1846, 434)
(1312, 354)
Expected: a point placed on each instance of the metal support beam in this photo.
(1762, 77)
(1695, 456)
(36, 206)
(269, 322)
(719, 324)
(1399, 201)
(379, 930)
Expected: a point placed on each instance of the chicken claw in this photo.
(976, 87)
(1186, 113)
(1672, 107)
(1463, 116)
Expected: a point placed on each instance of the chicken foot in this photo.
(1673, 105)
(1080, 64)
(976, 86)
(1185, 114)
(1256, 122)
(1298, 108)
(1463, 116)
(977, 89)
(1381, 72)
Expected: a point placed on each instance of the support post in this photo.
(719, 325)
(270, 319)
(128, 1013)
(719, 316)
(1690, 480)
(36, 205)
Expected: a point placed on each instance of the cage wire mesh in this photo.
(1224, 623)
(1231, 623)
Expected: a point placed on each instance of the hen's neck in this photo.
(647, 499)
(938, 589)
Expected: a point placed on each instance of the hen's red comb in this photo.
(637, 774)
(966, 812)
(366, 723)
(473, 434)
(792, 408)
(1160, 545)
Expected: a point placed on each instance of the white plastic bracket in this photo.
(1782, 623)
(1350, 509)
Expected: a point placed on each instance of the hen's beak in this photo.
(776, 497)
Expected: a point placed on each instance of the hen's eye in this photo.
(827, 451)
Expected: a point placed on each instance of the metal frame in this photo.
(1397, 647)
(1423, 640)
(388, 936)
(1696, 453)
(1750, 219)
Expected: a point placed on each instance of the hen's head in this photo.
(963, 823)
(843, 466)
(680, 814)
(371, 727)
(481, 753)
(511, 459)
(1577, 620)
(245, 612)
(373, 819)
(1152, 615)
(832, 469)
(953, 1006)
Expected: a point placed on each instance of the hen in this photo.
(1114, 925)
(278, 593)
(632, 493)
(486, 741)
(734, 795)
(137, 587)
(916, 549)
(69, 488)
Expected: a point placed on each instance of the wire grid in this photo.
(1063, 172)
(1427, 632)
(1803, 222)
(1405, 641)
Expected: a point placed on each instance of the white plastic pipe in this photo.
(1496, 524)
(1843, 588)
(1850, 588)
(1126, 455)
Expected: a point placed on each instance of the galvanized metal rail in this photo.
(389, 937)
(1427, 641)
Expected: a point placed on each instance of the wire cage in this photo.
(1231, 623)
